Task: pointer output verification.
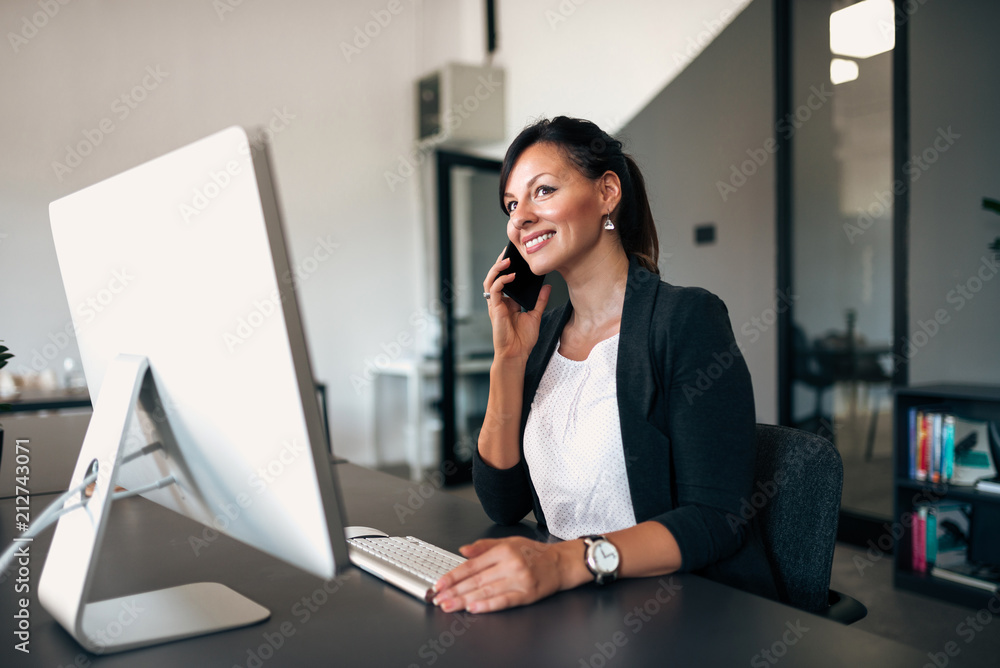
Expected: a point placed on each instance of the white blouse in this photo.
(573, 446)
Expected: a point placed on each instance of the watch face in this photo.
(605, 557)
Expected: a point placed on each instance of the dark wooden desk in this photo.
(356, 620)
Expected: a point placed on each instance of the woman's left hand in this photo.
(507, 572)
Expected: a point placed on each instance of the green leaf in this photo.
(991, 205)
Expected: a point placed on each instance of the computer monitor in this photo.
(182, 297)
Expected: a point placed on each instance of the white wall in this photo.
(350, 120)
(687, 140)
(600, 60)
(956, 137)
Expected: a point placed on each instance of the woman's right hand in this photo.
(514, 333)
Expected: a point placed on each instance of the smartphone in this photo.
(525, 287)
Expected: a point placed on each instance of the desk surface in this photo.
(356, 620)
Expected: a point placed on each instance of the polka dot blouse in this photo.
(573, 446)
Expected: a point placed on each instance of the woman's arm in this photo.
(501, 484)
(501, 573)
(499, 439)
(710, 421)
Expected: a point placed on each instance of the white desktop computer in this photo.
(183, 300)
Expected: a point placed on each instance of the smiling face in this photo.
(556, 213)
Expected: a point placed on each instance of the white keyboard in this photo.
(408, 563)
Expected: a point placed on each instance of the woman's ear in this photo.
(610, 187)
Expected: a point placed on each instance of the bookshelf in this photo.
(974, 402)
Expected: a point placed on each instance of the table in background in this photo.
(416, 372)
(54, 421)
(357, 620)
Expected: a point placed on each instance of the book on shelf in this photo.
(940, 535)
(971, 575)
(918, 549)
(940, 541)
(991, 485)
(947, 448)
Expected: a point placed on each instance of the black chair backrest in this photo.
(799, 477)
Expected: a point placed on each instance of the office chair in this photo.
(799, 521)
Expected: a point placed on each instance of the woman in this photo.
(624, 419)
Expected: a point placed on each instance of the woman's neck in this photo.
(597, 290)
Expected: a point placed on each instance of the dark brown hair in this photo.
(595, 152)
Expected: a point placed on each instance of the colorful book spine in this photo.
(948, 437)
(930, 538)
(913, 443)
(935, 439)
(919, 534)
(922, 456)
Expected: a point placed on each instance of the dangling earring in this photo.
(608, 225)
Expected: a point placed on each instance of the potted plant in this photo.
(4, 356)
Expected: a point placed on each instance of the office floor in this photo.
(918, 621)
(867, 481)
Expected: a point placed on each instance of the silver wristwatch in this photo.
(601, 557)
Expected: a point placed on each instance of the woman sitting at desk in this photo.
(599, 416)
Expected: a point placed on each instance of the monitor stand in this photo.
(141, 619)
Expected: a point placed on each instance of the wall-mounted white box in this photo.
(461, 104)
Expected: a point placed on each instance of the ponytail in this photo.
(639, 236)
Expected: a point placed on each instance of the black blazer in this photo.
(686, 408)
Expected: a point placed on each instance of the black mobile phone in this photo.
(525, 287)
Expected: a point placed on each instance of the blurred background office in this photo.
(769, 161)
(93, 88)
